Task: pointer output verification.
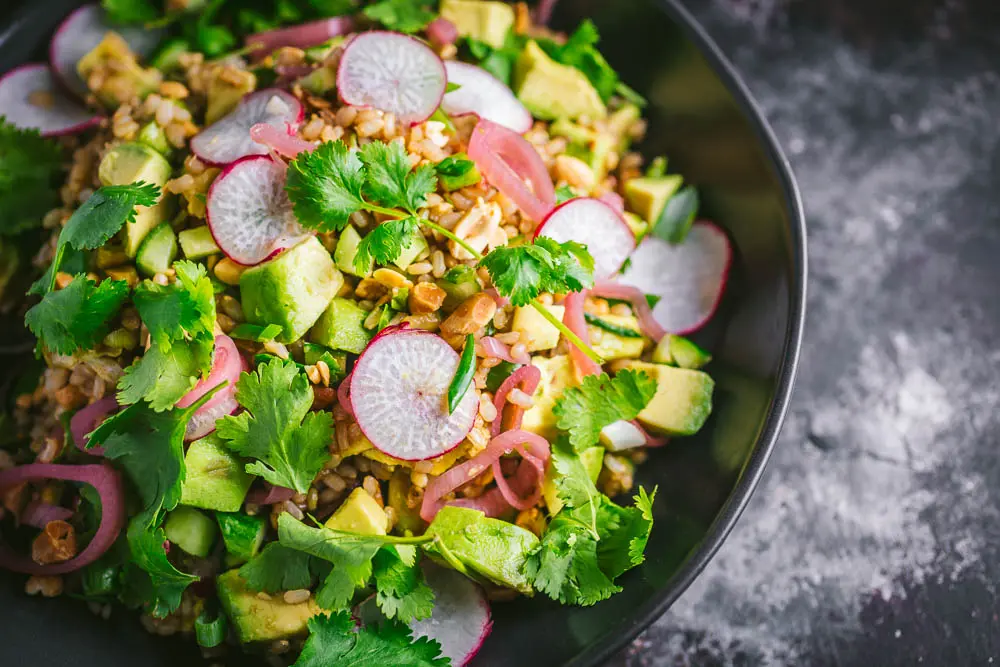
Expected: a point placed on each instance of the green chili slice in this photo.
(463, 376)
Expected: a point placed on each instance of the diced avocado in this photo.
(320, 81)
(683, 399)
(123, 78)
(359, 514)
(457, 171)
(153, 136)
(537, 333)
(613, 346)
(621, 435)
(598, 158)
(216, 479)
(158, 250)
(347, 249)
(578, 134)
(226, 88)
(242, 534)
(256, 619)
(407, 518)
(191, 530)
(458, 283)
(649, 194)
(638, 226)
(415, 245)
(491, 548)
(551, 90)
(319, 52)
(292, 290)
(341, 327)
(679, 351)
(486, 21)
(556, 375)
(592, 459)
(619, 123)
(198, 242)
(130, 162)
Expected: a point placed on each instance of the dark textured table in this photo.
(874, 538)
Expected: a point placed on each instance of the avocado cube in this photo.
(407, 518)
(191, 530)
(158, 250)
(359, 514)
(198, 242)
(242, 534)
(551, 90)
(341, 327)
(679, 351)
(647, 196)
(256, 619)
(638, 226)
(486, 21)
(346, 250)
(124, 78)
(216, 478)
(154, 136)
(493, 549)
(537, 333)
(683, 399)
(415, 245)
(612, 346)
(226, 88)
(292, 290)
(130, 162)
(592, 459)
(557, 374)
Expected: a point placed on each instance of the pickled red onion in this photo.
(301, 36)
(344, 395)
(612, 290)
(574, 319)
(526, 379)
(86, 420)
(269, 494)
(491, 347)
(651, 440)
(510, 163)
(39, 514)
(614, 200)
(283, 143)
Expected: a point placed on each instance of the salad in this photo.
(351, 319)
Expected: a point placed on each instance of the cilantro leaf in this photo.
(30, 171)
(566, 565)
(289, 442)
(624, 532)
(599, 401)
(280, 568)
(523, 272)
(400, 589)
(564, 193)
(401, 15)
(325, 186)
(580, 52)
(385, 243)
(573, 484)
(389, 179)
(104, 213)
(336, 640)
(76, 317)
(162, 376)
(166, 582)
(130, 11)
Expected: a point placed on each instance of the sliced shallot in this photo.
(512, 165)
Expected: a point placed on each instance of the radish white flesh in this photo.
(597, 226)
(228, 139)
(31, 100)
(392, 73)
(689, 278)
(249, 213)
(399, 394)
(203, 421)
(485, 95)
(84, 29)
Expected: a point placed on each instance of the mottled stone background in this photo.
(874, 538)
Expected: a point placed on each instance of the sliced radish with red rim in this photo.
(483, 94)
(228, 139)
(399, 393)
(689, 278)
(393, 73)
(227, 364)
(249, 213)
(31, 100)
(84, 29)
(596, 225)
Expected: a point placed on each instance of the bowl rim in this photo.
(750, 476)
(19, 22)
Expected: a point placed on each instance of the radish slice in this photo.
(203, 421)
(398, 391)
(226, 367)
(460, 621)
(31, 100)
(483, 94)
(249, 213)
(84, 29)
(228, 139)
(392, 73)
(689, 278)
(597, 226)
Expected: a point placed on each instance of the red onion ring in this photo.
(612, 290)
(526, 378)
(282, 143)
(86, 420)
(529, 474)
(574, 319)
(501, 301)
(108, 484)
(441, 31)
(509, 162)
(39, 514)
(268, 494)
(344, 395)
(302, 36)
(491, 347)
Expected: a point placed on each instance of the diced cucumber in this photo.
(346, 250)
(191, 530)
(158, 250)
(341, 327)
(197, 242)
(242, 534)
(153, 136)
(681, 352)
(415, 245)
(216, 478)
(255, 332)
(459, 283)
(169, 54)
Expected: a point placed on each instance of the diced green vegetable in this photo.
(336, 362)
(458, 283)
(197, 242)
(681, 352)
(153, 136)
(347, 250)
(210, 630)
(457, 171)
(216, 478)
(624, 332)
(191, 530)
(341, 327)
(498, 374)
(255, 332)
(242, 534)
(678, 215)
(463, 375)
(158, 250)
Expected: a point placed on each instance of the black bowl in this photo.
(703, 118)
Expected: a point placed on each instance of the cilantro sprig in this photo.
(30, 171)
(335, 639)
(289, 442)
(599, 401)
(407, 16)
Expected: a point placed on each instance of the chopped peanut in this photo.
(472, 315)
(55, 544)
(426, 298)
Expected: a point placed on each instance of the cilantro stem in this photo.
(448, 235)
(394, 212)
(566, 331)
